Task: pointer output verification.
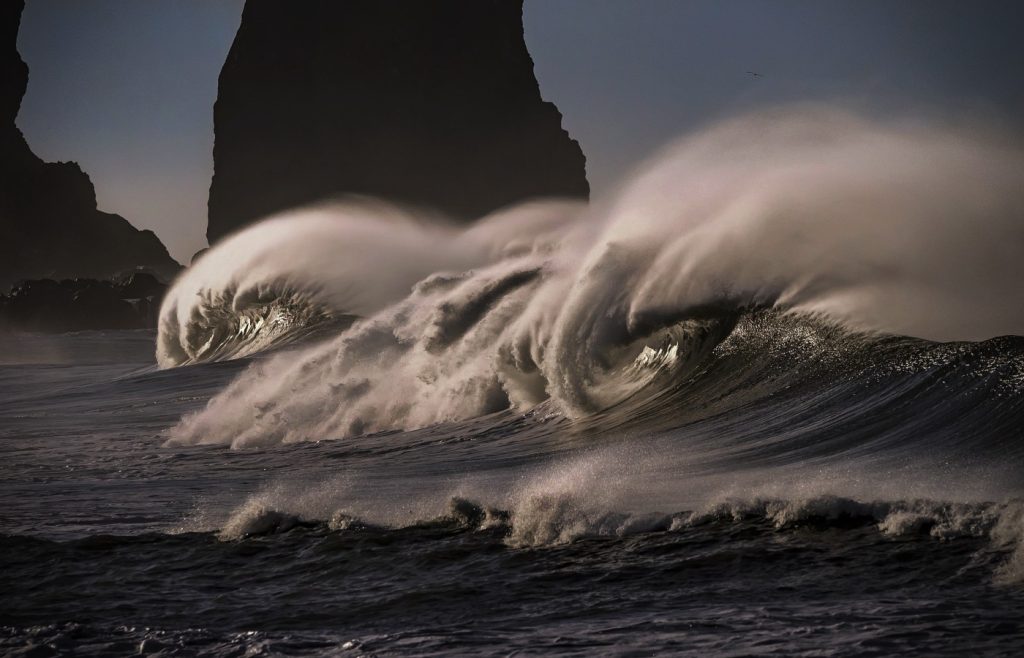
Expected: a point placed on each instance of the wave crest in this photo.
(844, 222)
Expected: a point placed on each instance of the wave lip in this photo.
(331, 263)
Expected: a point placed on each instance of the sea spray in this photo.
(910, 229)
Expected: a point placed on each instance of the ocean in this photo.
(766, 400)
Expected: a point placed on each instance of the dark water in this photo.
(788, 490)
(725, 587)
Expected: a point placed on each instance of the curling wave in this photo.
(824, 231)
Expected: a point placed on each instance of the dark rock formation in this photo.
(432, 104)
(132, 302)
(49, 223)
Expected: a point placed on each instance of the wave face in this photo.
(839, 229)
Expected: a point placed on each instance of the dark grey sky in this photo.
(126, 88)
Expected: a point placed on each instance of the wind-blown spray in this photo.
(911, 229)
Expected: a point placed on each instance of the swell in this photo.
(813, 389)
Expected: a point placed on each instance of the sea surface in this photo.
(707, 527)
(767, 398)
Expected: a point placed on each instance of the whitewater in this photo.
(764, 397)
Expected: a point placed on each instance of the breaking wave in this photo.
(783, 363)
(782, 318)
(274, 282)
(543, 517)
(810, 227)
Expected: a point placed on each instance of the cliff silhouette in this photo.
(49, 223)
(432, 104)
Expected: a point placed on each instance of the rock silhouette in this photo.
(49, 223)
(432, 104)
(132, 302)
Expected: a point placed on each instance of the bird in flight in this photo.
(756, 75)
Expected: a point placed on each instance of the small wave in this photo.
(258, 520)
(1001, 523)
(551, 519)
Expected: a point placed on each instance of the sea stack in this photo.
(429, 104)
(49, 223)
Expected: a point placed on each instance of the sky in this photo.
(126, 88)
